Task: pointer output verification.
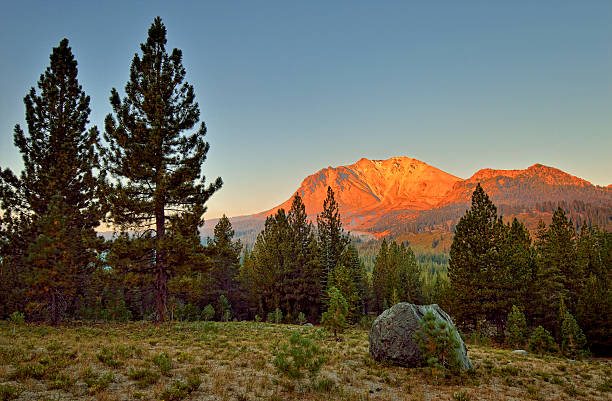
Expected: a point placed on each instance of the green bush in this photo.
(275, 317)
(438, 343)
(181, 390)
(8, 392)
(208, 313)
(541, 342)
(517, 328)
(144, 377)
(298, 357)
(96, 382)
(108, 357)
(573, 340)
(257, 318)
(163, 362)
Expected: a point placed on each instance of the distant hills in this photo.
(402, 196)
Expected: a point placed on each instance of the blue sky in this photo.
(287, 88)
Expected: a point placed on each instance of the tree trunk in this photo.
(161, 281)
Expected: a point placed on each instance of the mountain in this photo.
(401, 195)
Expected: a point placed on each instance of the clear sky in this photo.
(287, 88)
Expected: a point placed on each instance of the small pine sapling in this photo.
(517, 328)
(573, 340)
(438, 343)
(301, 319)
(335, 317)
(298, 357)
(542, 342)
(275, 317)
(208, 313)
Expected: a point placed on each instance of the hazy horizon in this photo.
(288, 89)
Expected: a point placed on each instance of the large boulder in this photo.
(392, 335)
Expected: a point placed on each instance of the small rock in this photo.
(308, 325)
(520, 352)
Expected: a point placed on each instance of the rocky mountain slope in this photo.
(403, 195)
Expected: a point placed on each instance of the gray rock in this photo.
(520, 352)
(308, 325)
(392, 335)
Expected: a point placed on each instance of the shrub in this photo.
(8, 392)
(107, 357)
(541, 342)
(144, 377)
(275, 317)
(257, 318)
(208, 313)
(95, 382)
(181, 390)
(573, 340)
(301, 319)
(517, 328)
(335, 317)
(163, 362)
(438, 343)
(325, 385)
(298, 357)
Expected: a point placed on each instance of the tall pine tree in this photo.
(476, 262)
(53, 206)
(155, 163)
(332, 239)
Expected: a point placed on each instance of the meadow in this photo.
(234, 361)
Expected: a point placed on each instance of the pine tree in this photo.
(60, 157)
(573, 341)
(335, 317)
(303, 276)
(224, 253)
(156, 165)
(332, 239)
(557, 274)
(379, 276)
(475, 263)
(516, 325)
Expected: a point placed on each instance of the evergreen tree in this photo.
(53, 206)
(332, 239)
(379, 276)
(558, 275)
(303, 276)
(573, 341)
(475, 263)
(345, 277)
(224, 253)
(335, 317)
(516, 325)
(594, 304)
(156, 165)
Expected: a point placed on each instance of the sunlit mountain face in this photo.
(402, 195)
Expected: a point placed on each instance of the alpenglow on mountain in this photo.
(401, 194)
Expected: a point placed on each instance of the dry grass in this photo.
(233, 361)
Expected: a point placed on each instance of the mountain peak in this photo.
(375, 186)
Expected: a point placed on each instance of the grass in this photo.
(234, 361)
